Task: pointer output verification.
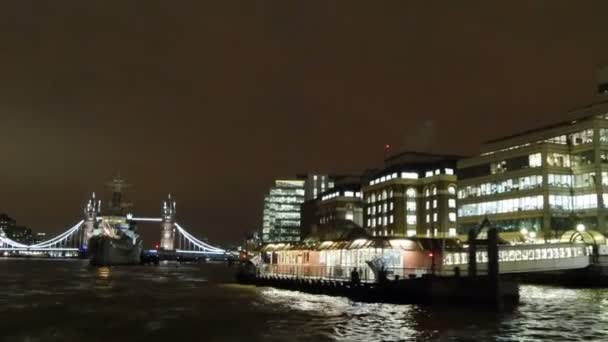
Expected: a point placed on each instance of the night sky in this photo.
(213, 100)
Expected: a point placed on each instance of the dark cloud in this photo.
(211, 100)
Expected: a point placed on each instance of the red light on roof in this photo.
(387, 146)
(430, 254)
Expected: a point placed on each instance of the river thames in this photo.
(52, 300)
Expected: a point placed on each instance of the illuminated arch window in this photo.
(434, 190)
(383, 194)
(426, 192)
(452, 190)
(411, 193)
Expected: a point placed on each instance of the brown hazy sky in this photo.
(211, 100)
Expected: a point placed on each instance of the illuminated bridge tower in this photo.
(91, 210)
(167, 235)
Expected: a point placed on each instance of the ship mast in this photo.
(116, 204)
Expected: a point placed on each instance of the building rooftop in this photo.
(414, 158)
(578, 114)
(418, 162)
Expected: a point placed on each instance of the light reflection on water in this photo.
(73, 301)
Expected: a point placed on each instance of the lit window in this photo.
(452, 217)
(390, 219)
(451, 190)
(428, 205)
(384, 207)
(437, 172)
(390, 194)
(452, 203)
(428, 218)
(498, 167)
(428, 174)
(391, 206)
(434, 190)
(411, 219)
(504, 206)
(435, 217)
(558, 159)
(411, 205)
(409, 175)
(434, 203)
(411, 192)
(449, 171)
(426, 192)
(535, 160)
(411, 233)
(452, 232)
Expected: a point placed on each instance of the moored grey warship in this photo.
(112, 235)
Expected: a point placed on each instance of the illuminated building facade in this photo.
(415, 195)
(548, 179)
(334, 213)
(283, 212)
(10, 229)
(281, 215)
(316, 184)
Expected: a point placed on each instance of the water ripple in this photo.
(71, 301)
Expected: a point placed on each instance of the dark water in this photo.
(70, 301)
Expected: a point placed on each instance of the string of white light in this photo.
(58, 238)
(197, 242)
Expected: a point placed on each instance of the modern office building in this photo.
(10, 229)
(6, 223)
(414, 195)
(282, 216)
(316, 184)
(549, 179)
(39, 237)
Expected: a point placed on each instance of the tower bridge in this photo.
(74, 241)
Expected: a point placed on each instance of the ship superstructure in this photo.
(114, 238)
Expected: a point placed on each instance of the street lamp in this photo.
(580, 227)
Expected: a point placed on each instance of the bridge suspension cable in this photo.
(48, 244)
(197, 243)
(64, 236)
